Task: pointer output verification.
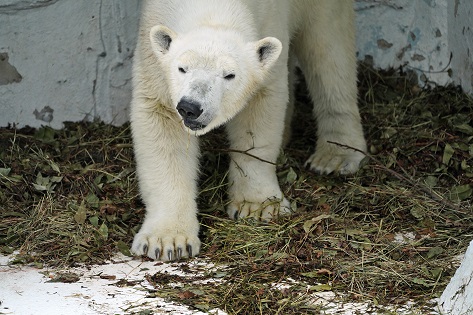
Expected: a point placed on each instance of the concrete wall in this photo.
(409, 33)
(457, 299)
(460, 24)
(432, 37)
(65, 60)
(71, 60)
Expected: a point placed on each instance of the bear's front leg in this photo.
(255, 137)
(167, 162)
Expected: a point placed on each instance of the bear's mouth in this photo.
(194, 125)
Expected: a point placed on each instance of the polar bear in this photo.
(200, 64)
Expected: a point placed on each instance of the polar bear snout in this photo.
(190, 112)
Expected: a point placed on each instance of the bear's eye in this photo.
(182, 70)
(230, 76)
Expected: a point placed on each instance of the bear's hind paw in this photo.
(335, 160)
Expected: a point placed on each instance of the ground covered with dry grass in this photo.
(388, 234)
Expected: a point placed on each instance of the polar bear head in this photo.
(211, 72)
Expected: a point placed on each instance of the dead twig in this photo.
(408, 179)
(246, 152)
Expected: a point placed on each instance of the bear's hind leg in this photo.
(292, 81)
(325, 48)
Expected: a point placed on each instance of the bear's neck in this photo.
(228, 14)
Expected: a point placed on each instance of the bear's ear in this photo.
(268, 50)
(161, 38)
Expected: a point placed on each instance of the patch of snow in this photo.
(404, 238)
(28, 290)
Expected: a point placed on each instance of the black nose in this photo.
(189, 110)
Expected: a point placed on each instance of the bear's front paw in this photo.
(331, 158)
(167, 244)
(266, 211)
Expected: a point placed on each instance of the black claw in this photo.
(179, 253)
(189, 250)
(145, 249)
(157, 252)
(170, 254)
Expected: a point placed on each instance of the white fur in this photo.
(203, 63)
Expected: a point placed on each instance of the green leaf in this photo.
(447, 154)
(421, 281)
(202, 307)
(436, 273)
(98, 179)
(434, 252)
(5, 171)
(55, 167)
(462, 192)
(40, 187)
(103, 230)
(45, 134)
(279, 255)
(310, 224)
(219, 274)
(94, 221)
(418, 213)
(354, 232)
(81, 214)
(93, 200)
(197, 292)
(464, 165)
(388, 132)
(56, 179)
(321, 288)
(465, 128)
(311, 274)
(291, 176)
(431, 181)
(40, 180)
(124, 249)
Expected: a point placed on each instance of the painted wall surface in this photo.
(69, 60)
(65, 60)
(460, 22)
(431, 37)
(457, 299)
(409, 33)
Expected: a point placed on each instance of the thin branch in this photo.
(241, 152)
(407, 178)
